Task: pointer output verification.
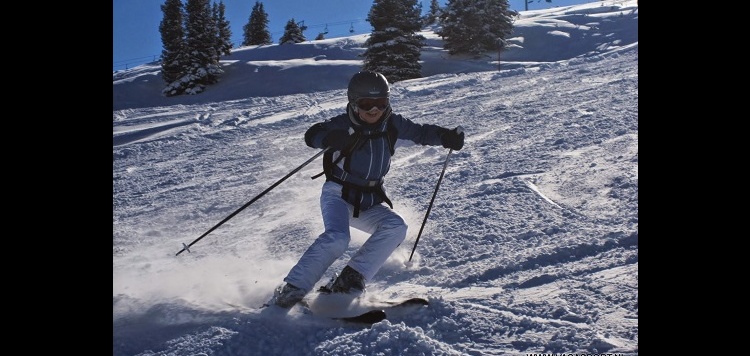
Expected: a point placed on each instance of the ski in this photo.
(409, 302)
(374, 311)
(353, 308)
(370, 317)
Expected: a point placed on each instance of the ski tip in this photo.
(371, 317)
(417, 301)
(410, 301)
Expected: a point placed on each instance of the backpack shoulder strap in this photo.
(329, 163)
(392, 136)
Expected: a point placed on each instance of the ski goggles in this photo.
(366, 104)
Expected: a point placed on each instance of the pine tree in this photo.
(434, 13)
(293, 33)
(256, 30)
(498, 20)
(172, 38)
(458, 27)
(394, 47)
(201, 66)
(475, 27)
(224, 37)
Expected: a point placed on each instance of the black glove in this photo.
(336, 139)
(453, 139)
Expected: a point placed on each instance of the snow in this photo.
(531, 245)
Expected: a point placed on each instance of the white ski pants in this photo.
(387, 227)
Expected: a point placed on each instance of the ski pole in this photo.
(431, 201)
(185, 247)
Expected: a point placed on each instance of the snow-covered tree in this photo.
(475, 27)
(293, 33)
(498, 24)
(201, 66)
(224, 36)
(173, 41)
(434, 13)
(394, 47)
(256, 30)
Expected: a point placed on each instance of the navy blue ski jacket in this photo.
(361, 172)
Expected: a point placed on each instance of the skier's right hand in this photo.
(336, 139)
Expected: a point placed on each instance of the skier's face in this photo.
(370, 109)
(371, 116)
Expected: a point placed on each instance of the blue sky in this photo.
(135, 23)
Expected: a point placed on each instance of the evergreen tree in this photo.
(475, 27)
(394, 47)
(498, 20)
(202, 66)
(293, 33)
(434, 13)
(256, 29)
(224, 36)
(172, 38)
(458, 26)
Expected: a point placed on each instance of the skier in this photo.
(361, 143)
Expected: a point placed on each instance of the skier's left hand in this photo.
(453, 139)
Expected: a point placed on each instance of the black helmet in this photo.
(367, 84)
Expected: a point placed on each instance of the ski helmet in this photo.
(367, 84)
